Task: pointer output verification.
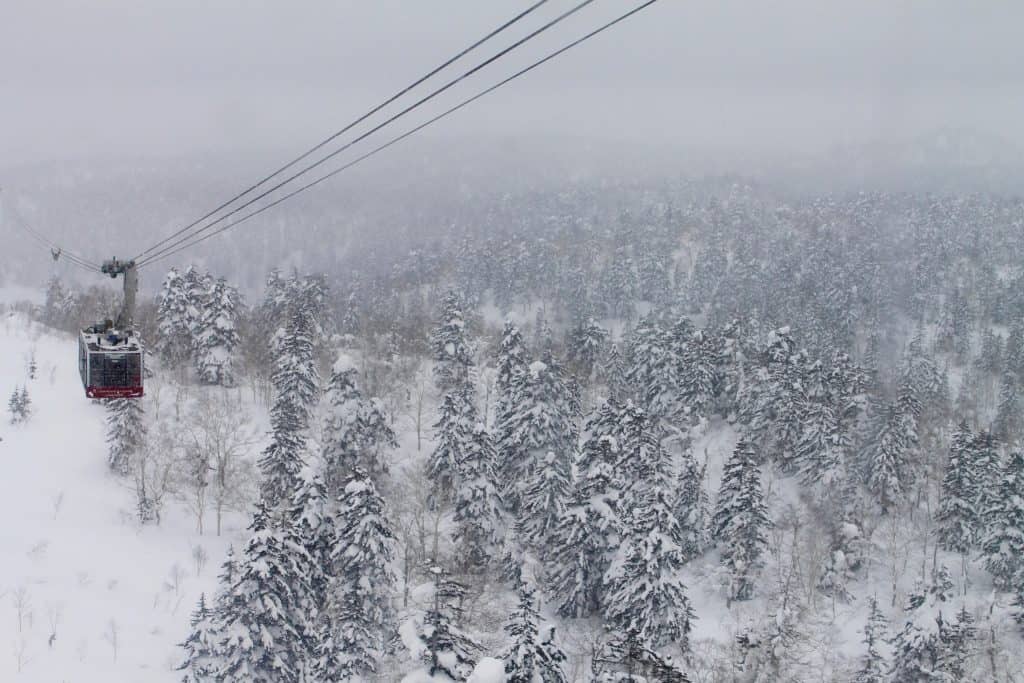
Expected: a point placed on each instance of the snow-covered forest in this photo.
(673, 431)
(518, 341)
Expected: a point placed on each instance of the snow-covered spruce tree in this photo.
(958, 522)
(1013, 354)
(988, 474)
(174, 332)
(14, 406)
(732, 367)
(653, 366)
(295, 377)
(741, 519)
(916, 647)
(357, 430)
(1018, 606)
(196, 289)
(217, 335)
(207, 649)
(264, 622)
(921, 377)
(623, 658)
(357, 615)
(576, 559)
(290, 308)
(833, 403)
(543, 335)
(453, 435)
(769, 648)
(543, 499)
(126, 433)
(479, 517)
(847, 386)
(349, 322)
(295, 382)
(614, 374)
(587, 535)
(618, 284)
(511, 362)
(1006, 426)
(311, 519)
(283, 459)
(888, 452)
(24, 403)
(932, 644)
(645, 593)
(822, 448)
(699, 373)
(967, 395)
(692, 506)
(268, 317)
(870, 358)
(959, 643)
(1003, 546)
(873, 666)
(772, 401)
(512, 357)
(447, 650)
(586, 346)
(308, 299)
(449, 344)
(201, 660)
(654, 268)
(709, 271)
(271, 312)
(990, 360)
(53, 314)
(530, 658)
(19, 405)
(541, 420)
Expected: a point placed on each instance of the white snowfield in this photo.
(86, 593)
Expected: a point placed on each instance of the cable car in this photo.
(110, 362)
(109, 354)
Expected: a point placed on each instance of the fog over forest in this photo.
(694, 354)
(192, 102)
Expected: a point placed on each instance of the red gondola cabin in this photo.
(110, 362)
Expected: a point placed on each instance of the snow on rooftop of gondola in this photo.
(112, 339)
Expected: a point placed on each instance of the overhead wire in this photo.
(62, 252)
(447, 86)
(196, 240)
(326, 141)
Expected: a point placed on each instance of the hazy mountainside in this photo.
(702, 430)
(436, 189)
(952, 160)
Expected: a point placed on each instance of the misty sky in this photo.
(110, 78)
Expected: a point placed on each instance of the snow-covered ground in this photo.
(10, 294)
(86, 593)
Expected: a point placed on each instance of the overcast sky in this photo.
(81, 79)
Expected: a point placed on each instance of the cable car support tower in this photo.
(126, 269)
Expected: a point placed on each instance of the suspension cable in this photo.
(565, 15)
(71, 258)
(171, 251)
(350, 126)
(42, 240)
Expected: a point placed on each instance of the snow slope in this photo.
(116, 595)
